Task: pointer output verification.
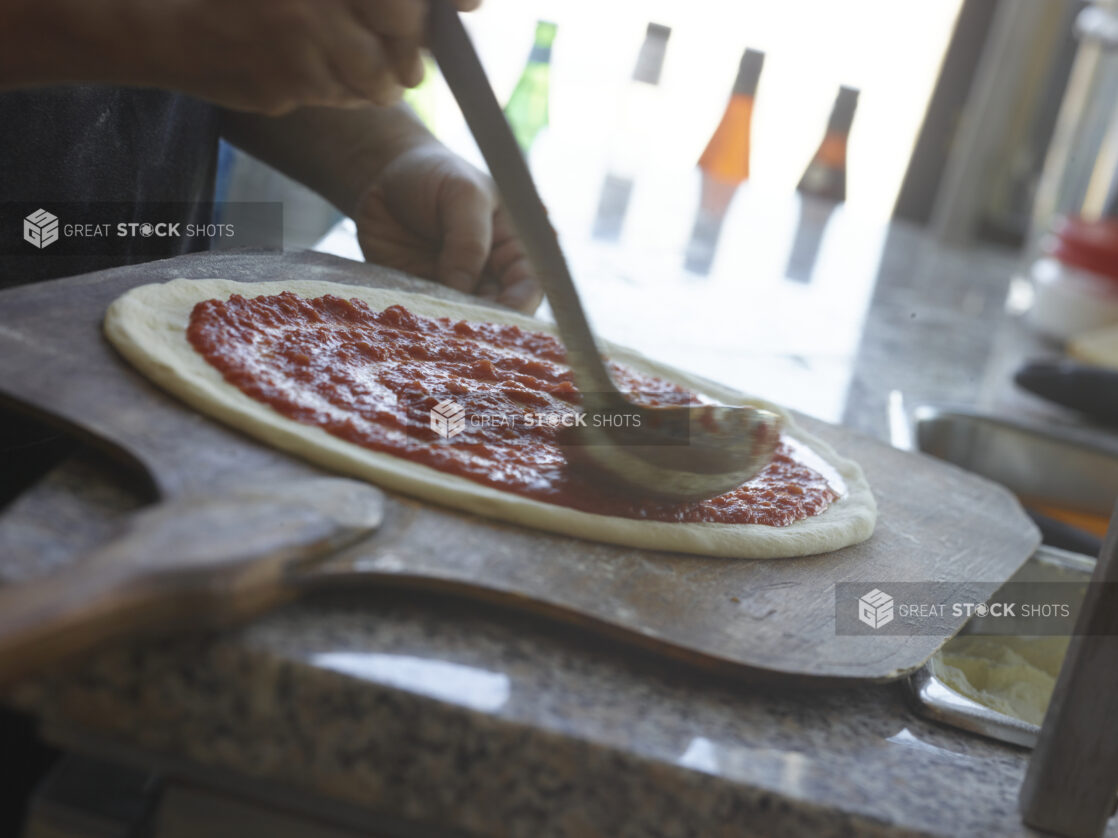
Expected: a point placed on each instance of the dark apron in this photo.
(80, 145)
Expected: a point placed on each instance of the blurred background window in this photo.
(723, 174)
(890, 51)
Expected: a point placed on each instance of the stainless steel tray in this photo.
(934, 699)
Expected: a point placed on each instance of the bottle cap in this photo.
(1088, 245)
(650, 60)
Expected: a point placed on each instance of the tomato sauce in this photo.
(373, 378)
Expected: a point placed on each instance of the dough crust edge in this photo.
(147, 325)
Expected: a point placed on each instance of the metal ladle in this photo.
(677, 453)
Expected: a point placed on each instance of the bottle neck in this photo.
(842, 114)
(749, 74)
(650, 60)
(541, 47)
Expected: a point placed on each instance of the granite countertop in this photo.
(448, 715)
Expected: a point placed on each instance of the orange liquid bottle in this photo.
(825, 175)
(726, 157)
(724, 164)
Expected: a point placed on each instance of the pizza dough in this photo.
(148, 326)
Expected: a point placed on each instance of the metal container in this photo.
(1064, 467)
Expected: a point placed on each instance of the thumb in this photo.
(466, 218)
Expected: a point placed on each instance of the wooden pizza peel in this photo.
(761, 619)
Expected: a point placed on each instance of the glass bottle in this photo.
(527, 107)
(639, 114)
(825, 175)
(724, 164)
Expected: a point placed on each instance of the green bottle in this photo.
(526, 109)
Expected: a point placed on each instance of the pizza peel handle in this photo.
(186, 563)
(677, 453)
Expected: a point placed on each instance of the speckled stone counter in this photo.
(445, 715)
(451, 718)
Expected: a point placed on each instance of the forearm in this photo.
(336, 152)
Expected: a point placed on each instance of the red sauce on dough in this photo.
(372, 378)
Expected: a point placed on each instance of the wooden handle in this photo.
(45, 622)
(191, 562)
(1070, 785)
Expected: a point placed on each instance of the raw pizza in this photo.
(463, 405)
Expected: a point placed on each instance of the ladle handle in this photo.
(466, 78)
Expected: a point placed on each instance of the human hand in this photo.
(261, 56)
(430, 213)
